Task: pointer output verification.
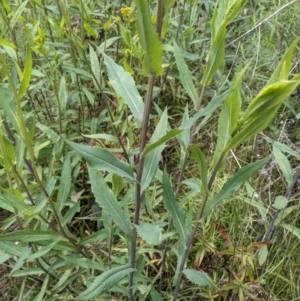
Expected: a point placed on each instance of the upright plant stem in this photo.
(138, 195)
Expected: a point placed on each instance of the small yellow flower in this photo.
(118, 19)
(125, 11)
(127, 52)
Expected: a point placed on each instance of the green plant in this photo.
(77, 134)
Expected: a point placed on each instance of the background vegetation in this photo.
(149, 150)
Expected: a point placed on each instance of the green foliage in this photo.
(147, 155)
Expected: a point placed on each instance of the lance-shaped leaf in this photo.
(233, 9)
(283, 69)
(108, 202)
(170, 135)
(104, 282)
(215, 56)
(234, 183)
(148, 39)
(283, 164)
(124, 85)
(185, 75)
(95, 66)
(26, 74)
(174, 209)
(262, 110)
(197, 277)
(152, 159)
(63, 94)
(30, 235)
(229, 115)
(200, 159)
(102, 159)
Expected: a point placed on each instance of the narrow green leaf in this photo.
(40, 295)
(108, 202)
(104, 282)
(17, 14)
(95, 66)
(151, 146)
(148, 39)
(234, 183)
(286, 149)
(65, 184)
(49, 132)
(11, 248)
(174, 209)
(29, 235)
(124, 85)
(200, 278)
(295, 231)
(283, 69)
(152, 159)
(26, 74)
(83, 262)
(44, 250)
(283, 164)
(262, 110)
(198, 156)
(215, 56)
(102, 159)
(233, 9)
(70, 214)
(63, 94)
(185, 75)
(150, 233)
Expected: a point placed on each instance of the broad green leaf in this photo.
(155, 295)
(63, 95)
(104, 282)
(108, 202)
(200, 278)
(280, 202)
(4, 257)
(283, 164)
(217, 18)
(124, 85)
(151, 146)
(64, 185)
(26, 75)
(295, 231)
(198, 156)
(152, 159)
(150, 233)
(174, 209)
(185, 75)
(89, 95)
(11, 248)
(148, 39)
(215, 56)
(95, 66)
(41, 293)
(234, 183)
(17, 14)
(29, 235)
(283, 69)
(262, 255)
(102, 159)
